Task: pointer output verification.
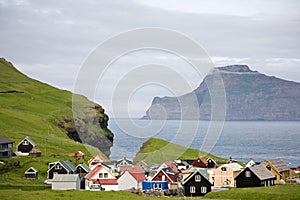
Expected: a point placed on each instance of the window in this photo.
(25, 142)
(105, 175)
(192, 189)
(57, 167)
(100, 175)
(157, 186)
(203, 190)
(163, 178)
(247, 174)
(197, 178)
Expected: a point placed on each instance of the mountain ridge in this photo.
(250, 95)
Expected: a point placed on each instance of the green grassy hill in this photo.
(156, 151)
(44, 113)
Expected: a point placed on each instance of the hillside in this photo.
(250, 95)
(31, 108)
(157, 151)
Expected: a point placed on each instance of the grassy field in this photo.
(156, 151)
(272, 193)
(30, 108)
(288, 192)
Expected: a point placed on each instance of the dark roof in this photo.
(4, 140)
(68, 165)
(84, 166)
(279, 165)
(29, 140)
(31, 170)
(261, 172)
(192, 175)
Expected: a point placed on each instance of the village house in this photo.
(196, 184)
(200, 163)
(167, 174)
(255, 176)
(101, 174)
(278, 168)
(211, 163)
(82, 170)
(224, 175)
(66, 182)
(250, 163)
(60, 167)
(6, 147)
(169, 164)
(31, 173)
(26, 145)
(129, 180)
(96, 160)
(181, 165)
(124, 162)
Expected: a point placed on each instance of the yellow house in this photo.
(278, 168)
(224, 175)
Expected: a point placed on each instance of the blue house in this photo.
(155, 185)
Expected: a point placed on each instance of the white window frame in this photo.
(157, 186)
(197, 178)
(247, 174)
(25, 142)
(203, 189)
(105, 175)
(57, 167)
(192, 189)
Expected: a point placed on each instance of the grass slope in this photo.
(275, 192)
(156, 151)
(29, 108)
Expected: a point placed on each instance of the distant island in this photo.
(250, 95)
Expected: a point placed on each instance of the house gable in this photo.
(31, 170)
(196, 184)
(200, 162)
(254, 176)
(61, 167)
(26, 145)
(100, 172)
(162, 175)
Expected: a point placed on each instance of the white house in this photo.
(66, 182)
(102, 175)
(130, 180)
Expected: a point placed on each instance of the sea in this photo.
(240, 140)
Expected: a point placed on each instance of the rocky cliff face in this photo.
(250, 95)
(90, 128)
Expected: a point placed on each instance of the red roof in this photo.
(138, 176)
(110, 181)
(200, 162)
(93, 172)
(172, 165)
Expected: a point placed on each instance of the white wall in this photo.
(66, 185)
(110, 187)
(126, 182)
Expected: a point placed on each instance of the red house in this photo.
(200, 162)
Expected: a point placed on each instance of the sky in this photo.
(51, 40)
